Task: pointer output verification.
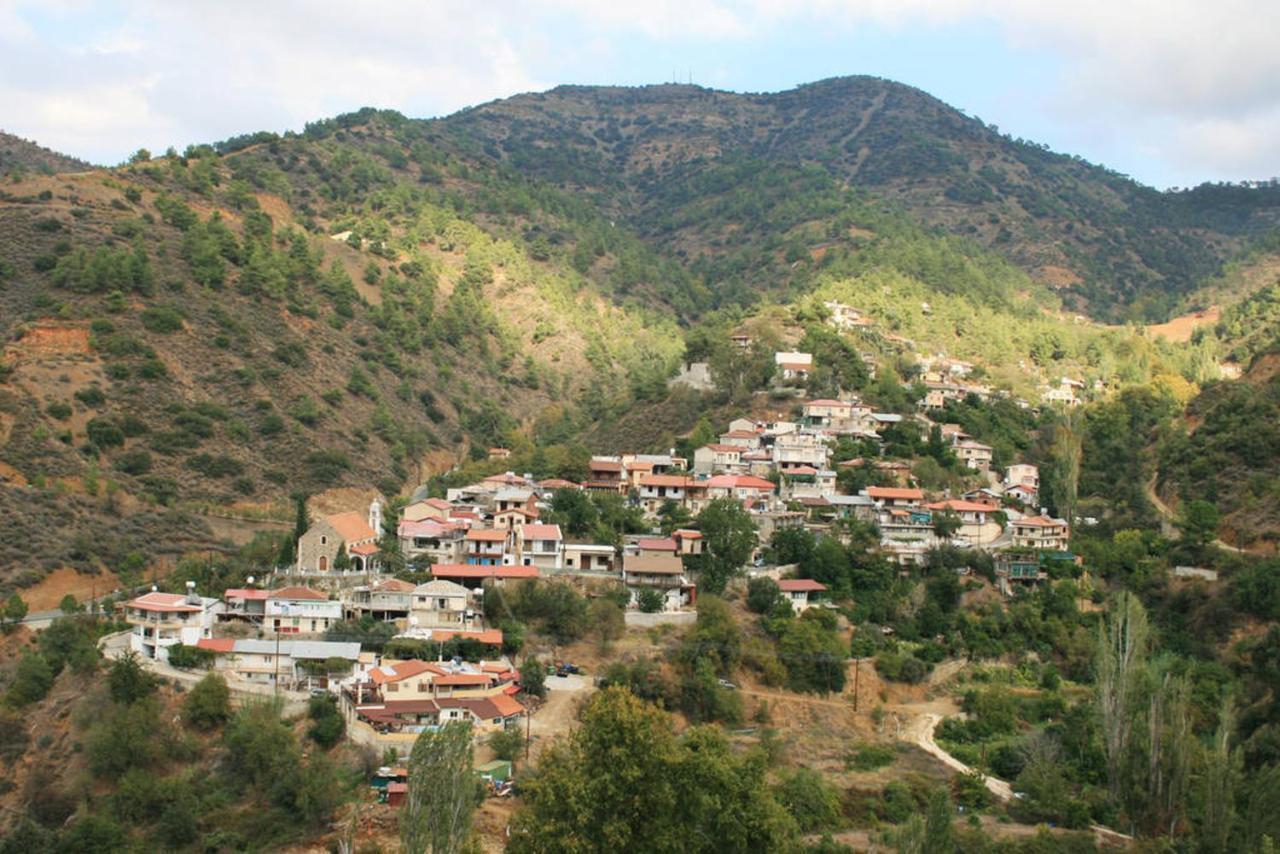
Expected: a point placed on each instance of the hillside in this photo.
(18, 155)
(694, 168)
(188, 334)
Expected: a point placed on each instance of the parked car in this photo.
(725, 683)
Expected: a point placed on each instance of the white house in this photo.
(542, 546)
(799, 590)
(161, 620)
(300, 610)
(440, 604)
(1040, 533)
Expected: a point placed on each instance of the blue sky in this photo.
(1173, 93)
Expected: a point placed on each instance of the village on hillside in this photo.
(822, 472)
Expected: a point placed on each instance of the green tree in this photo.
(814, 657)
(327, 724)
(811, 800)
(15, 610)
(208, 703)
(650, 600)
(506, 743)
(128, 680)
(624, 781)
(1198, 522)
(533, 677)
(436, 816)
(32, 680)
(763, 595)
(607, 621)
(729, 538)
(939, 837)
(1120, 662)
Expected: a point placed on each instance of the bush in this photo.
(650, 601)
(762, 595)
(104, 433)
(91, 396)
(811, 801)
(506, 744)
(897, 667)
(190, 657)
(31, 682)
(161, 318)
(533, 677)
(870, 757)
(135, 462)
(327, 725)
(208, 703)
(59, 410)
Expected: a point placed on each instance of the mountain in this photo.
(378, 299)
(694, 169)
(20, 155)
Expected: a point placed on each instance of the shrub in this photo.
(762, 595)
(135, 462)
(59, 410)
(31, 682)
(327, 725)
(870, 757)
(506, 744)
(163, 319)
(91, 396)
(813, 802)
(208, 703)
(650, 601)
(190, 657)
(104, 432)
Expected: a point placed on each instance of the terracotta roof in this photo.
(403, 670)
(653, 564)
(671, 480)
(801, 470)
(739, 481)
(542, 532)
(557, 483)
(249, 594)
(216, 644)
(799, 367)
(462, 570)
(168, 602)
(960, 506)
(393, 585)
(606, 465)
(363, 549)
(298, 593)
(664, 544)
(687, 534)
(528, 514)
(1041, 522)
(463, 679)
(425, 528)
(740, 434)
(438, 503)
(723, 449)
(640, 465)
(486, 535)
(894, 493)
(826, 401)
(810, 501)
(801, 585)
(484, 708)
(492, 637)
(352, 526)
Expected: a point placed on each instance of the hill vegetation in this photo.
(18, 156)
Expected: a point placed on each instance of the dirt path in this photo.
(1168, 529)
(559, 714)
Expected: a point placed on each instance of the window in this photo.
(393, 687)
(324, 541)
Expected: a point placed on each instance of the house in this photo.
(655, 546)
(799, 592)
(1017, 569)
(793, 366)
(974, 455)
(845, 317)
(977, 523)
(487, 547)
(300, 610)
(161, 620)
(542, 546)
(1025, 495)
(499, 453)
(826, 412)
(473, 576)
(245, 604)
(749, 489)
(590, 557)
(514, 519)
(687, 542)
(514, 498)
(420, 680)
(441, 604)
(1022, 474)
(657, 489)
(439, 540)
(348, 535)
(894, 496)
(745, 424)
(1040, 533)
(308, 664)
(661, 572)
(606, 474)
(715, 458)
(800, 449)
(486, 714)
(427, 508)
(748, 440)
(388, 599)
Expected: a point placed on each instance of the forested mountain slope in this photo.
(694, 168)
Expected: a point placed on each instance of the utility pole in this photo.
(857, 668)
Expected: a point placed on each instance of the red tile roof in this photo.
(166, 602)
(486, 535)
(542, 532)
(249, 594)
(670, 480)
(606, 465)
(801, 470)
(801, 585)
(826, 401)
(739, 481)
(352, 526)
(492, 637)
(557, 483)
(403, 670)
(364, 549)
(298, 593)
(960, 506)
(725, 449)
(462, 570)
(216, 644)
(890, 493)
(665, 544)
(1041, 522)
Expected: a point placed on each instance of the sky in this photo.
(1173, 93)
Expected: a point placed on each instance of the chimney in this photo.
(192, 598)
